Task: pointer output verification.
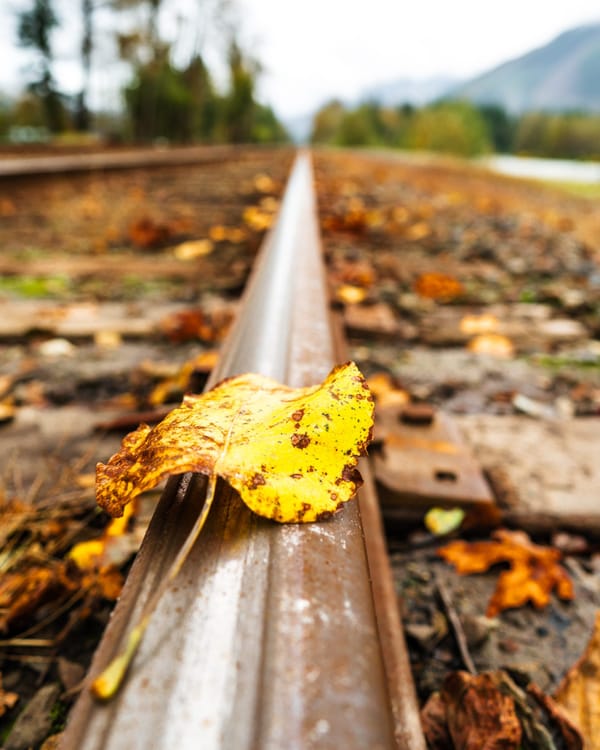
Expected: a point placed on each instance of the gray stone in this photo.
(34, 722)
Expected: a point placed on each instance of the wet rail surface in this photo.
(272, 636)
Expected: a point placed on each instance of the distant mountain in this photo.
(562, 75)
(409, 91)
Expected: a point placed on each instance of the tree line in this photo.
(178, 102)
(459, 127)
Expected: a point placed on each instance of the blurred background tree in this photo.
(207, 90)
(166, 97)
(34, 32)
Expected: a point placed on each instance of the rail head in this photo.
(271, 636)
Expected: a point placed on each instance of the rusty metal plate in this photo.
(420, 459)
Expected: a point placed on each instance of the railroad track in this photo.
(111, 160)
(273, 636)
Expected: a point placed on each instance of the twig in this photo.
(457, 628)
(109, 681)
(54, 615)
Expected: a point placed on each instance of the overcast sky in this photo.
(312, 50)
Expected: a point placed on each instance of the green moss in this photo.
(58, 714)
(33, 287)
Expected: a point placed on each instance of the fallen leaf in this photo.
(193, 249)
(146, 233)
(194, 323)
(269, 203)
(217, 233)
(490, 711)
(7, 207)
(264, 183)
(349, 294)
(352, 218)
(108, 339)
(479, 716)
(290, 453)
(182, 380)
(23, 592)
(579, 692)
(257, 219)
(438, 286)
(433, 721)
(533, 574)
(441, 521)
(493, 344)
(236, 235)
(558, 717)
(385, 391)
(8, 411)
(477, 324)
(7, 700)
(355, 273)
(112, 549)
(418, 231)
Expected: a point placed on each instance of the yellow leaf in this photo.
(194, 249)
(96, 553)
(263, 183)
(257, 219)
(350, 295)
(493, 344)
(291, 453)
(444, 520)
(579, 692)
(476, 324)
(217, 233)
(87, 555)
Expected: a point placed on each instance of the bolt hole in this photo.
(442, 475)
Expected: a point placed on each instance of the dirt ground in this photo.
(466, 292)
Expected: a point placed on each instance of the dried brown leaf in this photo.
(579, 692)
(479, 716)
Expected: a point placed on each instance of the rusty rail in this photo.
(35, 165)
(273, 636)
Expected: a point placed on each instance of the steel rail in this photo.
(25, 166)
(273, 636)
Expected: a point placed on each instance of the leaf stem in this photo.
(109, 681)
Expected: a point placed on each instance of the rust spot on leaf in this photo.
(300, 440)
(256, 480)
(297, 415)
(296, 476)
(351, 474)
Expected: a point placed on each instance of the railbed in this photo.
(272, 636)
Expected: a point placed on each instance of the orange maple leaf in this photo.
(533, 574)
